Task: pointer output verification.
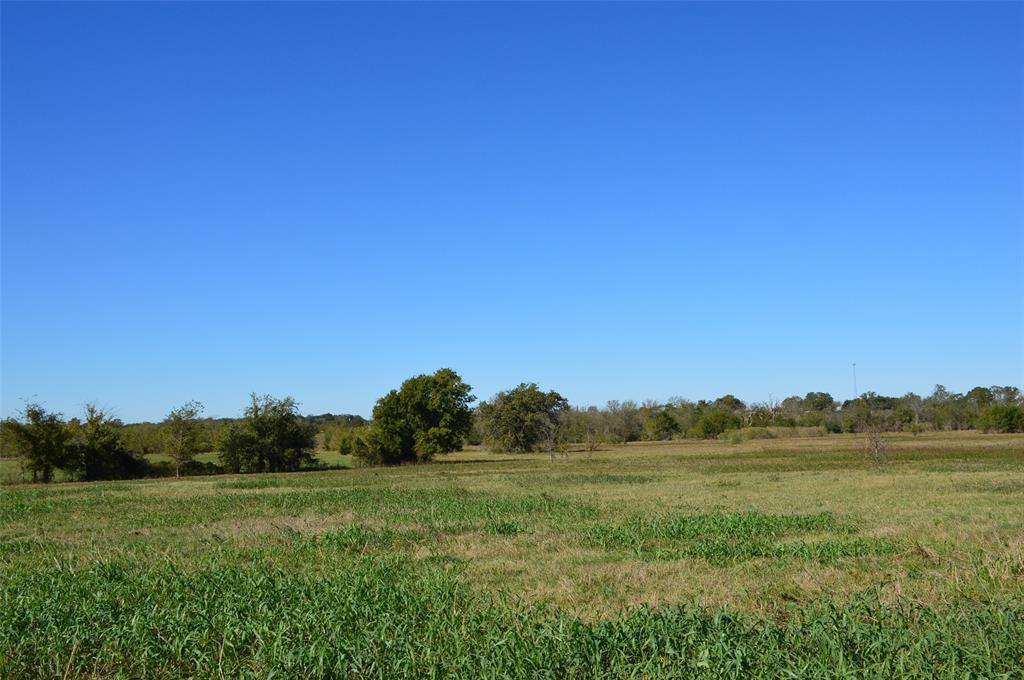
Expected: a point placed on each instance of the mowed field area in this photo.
(792, 557)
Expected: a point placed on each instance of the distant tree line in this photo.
(433, 414)
(271, 436)
(991, 409)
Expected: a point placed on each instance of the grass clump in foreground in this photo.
(385, 618)
(768, 558)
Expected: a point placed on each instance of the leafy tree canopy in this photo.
(182, 432)
(522, 419)
(40, 439)
(272, 437)
(427, 415)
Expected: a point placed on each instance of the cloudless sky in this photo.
(617, 201)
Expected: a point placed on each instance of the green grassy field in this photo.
(774, 558)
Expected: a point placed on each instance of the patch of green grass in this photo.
(602, 479)
(361, 539)
(731, 537)
(383, 617)
(803, 561)
(254, 482)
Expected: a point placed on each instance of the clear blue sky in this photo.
(614, 201)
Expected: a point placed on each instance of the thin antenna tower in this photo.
(855, 392)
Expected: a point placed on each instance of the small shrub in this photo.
(877, 448)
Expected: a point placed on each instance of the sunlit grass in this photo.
(679, 559)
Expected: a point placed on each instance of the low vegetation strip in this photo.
(731, 537)
(384, 618)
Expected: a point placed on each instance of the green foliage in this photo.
(713, 423)
(728, 403)
(40, 439)
(522, 419)
(427, 415)
(143, 438)
(623, 422)
(819, 401)
(351, 441)
(1002, 418)
(96, 450)
(181, 433)
(271, 438)
(659, 424)
(338, 432)
(585, 426)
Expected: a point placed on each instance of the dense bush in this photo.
(427, 415)
(40, 439)
(710, 425)
(271, 438)
(1002, 418)
(522, 419)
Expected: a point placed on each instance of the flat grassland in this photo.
(777, 558)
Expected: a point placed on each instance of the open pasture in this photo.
(786, 557)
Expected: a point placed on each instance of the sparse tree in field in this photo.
(427, 415)
(522, 419)
(181, 434)
(39, 439)
(272, 437)
(877, 447)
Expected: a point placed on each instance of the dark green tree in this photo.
(1002, 418)
(522, 419)
(271, 437)
(97, 450)
(729, 403)
(427, 415)
(39, 439)
(819, 401)
(181, 434)
(659, 423)
(713, 423)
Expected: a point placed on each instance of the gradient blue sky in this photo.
(615, 201)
